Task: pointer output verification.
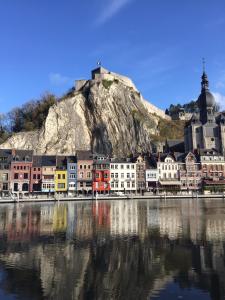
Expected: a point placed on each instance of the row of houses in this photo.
(87, 173)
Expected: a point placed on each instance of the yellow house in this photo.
(61, 180)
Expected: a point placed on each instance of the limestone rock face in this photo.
(104, 115)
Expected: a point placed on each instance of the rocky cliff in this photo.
(106, 114)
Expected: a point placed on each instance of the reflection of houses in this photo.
(60, 218)
(46, 222)
(5, 161)
(21, 170)
(23, 223)
(170, 222)
(101, 214)
(84, 225)
(124, 217)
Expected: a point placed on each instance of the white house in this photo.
(122, 175)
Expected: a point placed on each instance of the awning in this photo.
(172, 182)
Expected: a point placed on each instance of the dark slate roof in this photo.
(61, 162)
(37, 161)
(48, 160)
(151, 162)
(71, 159)
(121, 160)
(22, 155)
(84, 155)
(175, 145)
(5, 152)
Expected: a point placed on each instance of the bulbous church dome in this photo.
(206, 99)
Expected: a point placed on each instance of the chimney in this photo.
(13, 152)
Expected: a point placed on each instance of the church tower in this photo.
(203, 131)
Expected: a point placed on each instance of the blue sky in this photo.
(47, 44)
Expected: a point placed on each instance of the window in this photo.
(122, 175)
(4, 177)
(81, 184)
(34, 169)
(112, 184)
(128, 166)
(5, 187)
(128, 184)
(25, 176)
(112, 175)
(132, 175)
(88, 174)
(34, 176)
(72, 176)
(61, 185)
(38, 176)
(122, 184)
(133, 184)
(122, 166)
(128, 175)
(112, 166)
(81, 174)
(132, 166)
(72, 167)
(63, 176)
(16, 176)
(85, 167)
(59, 176)
(105, 175)
(116, 175)
(81, 166)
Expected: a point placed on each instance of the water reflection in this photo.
(113, 250)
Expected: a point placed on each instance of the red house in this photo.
(36, 174)
(101, 174)
(21, 170)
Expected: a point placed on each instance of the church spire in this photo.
(205, 81)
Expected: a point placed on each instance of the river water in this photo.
(169, 249)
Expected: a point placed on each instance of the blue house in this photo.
(72, 174)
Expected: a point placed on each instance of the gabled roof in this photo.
(71, 159)
(84, 155)
(37, 161)
(22, 155)
(48, 160)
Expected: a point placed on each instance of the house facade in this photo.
(36, 175)
(21, 165)
(84, 172)
(5, 170)
(72, 174)
(190, 173)
(48, 174)
(123, 175)
(101, 174)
